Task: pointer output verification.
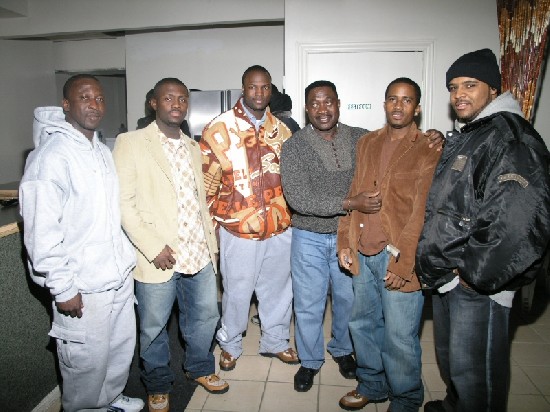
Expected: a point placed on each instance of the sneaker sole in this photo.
(227, 369)
(273, 355)
(356, 408)
(352, 408)
(215, 392)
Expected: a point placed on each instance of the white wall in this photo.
(78, 16)
(90, 55)
(27, 81)
(206, 59)
(455, 27)
(114, 89)
(542, 117)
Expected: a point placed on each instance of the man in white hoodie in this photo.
(77, 249)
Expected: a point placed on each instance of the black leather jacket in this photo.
(488, 211)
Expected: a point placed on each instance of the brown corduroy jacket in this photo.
(404, 190)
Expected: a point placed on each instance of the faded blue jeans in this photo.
(314, 264)
(384, 327)
(473, 349)
(198, 318)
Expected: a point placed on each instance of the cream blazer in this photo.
(148, 201)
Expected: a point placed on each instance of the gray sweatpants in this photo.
(263, 267)
(95, 351)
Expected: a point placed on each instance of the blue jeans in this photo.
(314, 265)
(384, 327)
(198, 318)
(473, 350)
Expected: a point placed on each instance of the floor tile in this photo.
(428, 352)
(526, 334)
(520, 384)
(432, 378)
(531, 403)
(329, 396)
(283, 372)
(427, 330)
(540, 376)
(280, 396)
(249, 368)
(260, 384)
(244, 396)
(198, 399)
(531, 354)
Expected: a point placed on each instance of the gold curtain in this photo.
(523, 26)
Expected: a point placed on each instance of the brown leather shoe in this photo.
(353, 401)
(158, 402)
(287, 356)
(213, 383)
(227, 362)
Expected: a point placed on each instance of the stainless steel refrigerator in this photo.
(205, 105)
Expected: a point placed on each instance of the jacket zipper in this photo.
(261, 185)
(463, 220)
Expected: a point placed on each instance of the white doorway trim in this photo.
(426, 47)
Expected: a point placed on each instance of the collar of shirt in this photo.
(166, 140)
(257, 122)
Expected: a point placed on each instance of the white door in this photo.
(361, 78)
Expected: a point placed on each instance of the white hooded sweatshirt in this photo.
(69, 200)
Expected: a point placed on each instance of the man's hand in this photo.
(436, 139)
(366, 202)
(393, 281)
(344, 257)
(72, 307)
(164, 259)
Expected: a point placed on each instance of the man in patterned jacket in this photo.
(241, 149)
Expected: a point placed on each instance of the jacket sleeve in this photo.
(345, 222)
(408, 239)
(42, 203)
(211, 169)
(142, 234)
(512, 227)
(299, 191)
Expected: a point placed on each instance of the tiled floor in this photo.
(261, 384)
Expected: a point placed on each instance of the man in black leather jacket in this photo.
(487, 225)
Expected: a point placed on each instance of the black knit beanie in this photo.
(280, 102)
(480, 64)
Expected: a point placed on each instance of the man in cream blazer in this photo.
(164, 213)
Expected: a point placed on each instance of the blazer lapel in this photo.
(155, 148)
(401, 150)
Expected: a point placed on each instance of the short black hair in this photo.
(149, 111)
(255, 68)
(167, 80)
(408, 81)
(321, 83)
(73, 79)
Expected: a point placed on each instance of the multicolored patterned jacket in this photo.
(242, 176)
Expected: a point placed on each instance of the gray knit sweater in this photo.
(317, 174)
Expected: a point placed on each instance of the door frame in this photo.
(426, 47)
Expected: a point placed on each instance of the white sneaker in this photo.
(128, 404)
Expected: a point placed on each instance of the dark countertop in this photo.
(10, 220)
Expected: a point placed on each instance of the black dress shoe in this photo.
(346, 365)
(434, 406)
(303, 380)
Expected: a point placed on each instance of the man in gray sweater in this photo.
(317, 166)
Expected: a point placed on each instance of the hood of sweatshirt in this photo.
(51, 120)
(503, 103)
